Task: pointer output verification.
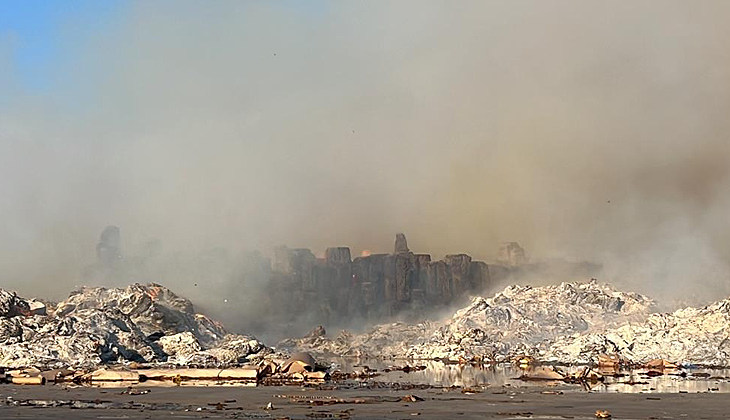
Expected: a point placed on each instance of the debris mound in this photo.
(96, 325)
(520, 320)
(524, 319)
(687, 336)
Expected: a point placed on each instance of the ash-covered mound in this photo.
(154, 309)
(524, 319)
(101, 326)
(687, 336)
(518, 320)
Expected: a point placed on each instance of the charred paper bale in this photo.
(281, 262)
(420, 272)
(108, 250)
(358, 300)
(480, 278)
(440, 288)
(12, 305)
(338, 256)
(36, 307)
(401, 244)
(459, 265)
(292, 260)
(340, 260)
(404, 269)
(369, 278)
(511, 254)
(300, 259)
(376, 275)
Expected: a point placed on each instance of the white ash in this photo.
(140, 323)
(523, 319)
(687, 336)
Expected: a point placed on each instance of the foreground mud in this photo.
(433, 391)
(502, 402)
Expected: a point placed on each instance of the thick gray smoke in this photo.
(584, 130)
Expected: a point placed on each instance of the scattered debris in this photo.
(552, 392)
(603, 414)
(524, 361)
(609, 361)
(586, 374)
(298, 363)
(134, 391)
(660, 364)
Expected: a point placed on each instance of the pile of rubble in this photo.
(149, 327)
(687, 336)
(520, 320)
(94, 326)
(569, 323)
(524, 320)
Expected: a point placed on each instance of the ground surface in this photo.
(536, 402)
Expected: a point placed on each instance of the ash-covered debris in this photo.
(524, 319)
(385, 340)
(297, 369)
(155, 309)
(569, 323)
(687, 336)
(138, 323)
(517, 321)
(13, 305)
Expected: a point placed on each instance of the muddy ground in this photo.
(500, 402)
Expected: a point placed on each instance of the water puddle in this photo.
(631, 381)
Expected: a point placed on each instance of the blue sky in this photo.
(41, 34)
(45, 38)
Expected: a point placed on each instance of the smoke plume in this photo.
(583, 130)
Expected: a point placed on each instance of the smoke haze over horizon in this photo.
(584, 130)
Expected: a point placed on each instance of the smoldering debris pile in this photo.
(524, 320)
(138, 323)
(571, 323)
(687, 336)
(520, 320)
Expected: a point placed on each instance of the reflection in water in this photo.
(711, 380)
(440, 374)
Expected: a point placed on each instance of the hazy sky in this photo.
(582, 129)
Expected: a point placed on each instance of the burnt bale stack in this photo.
(373, 287)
